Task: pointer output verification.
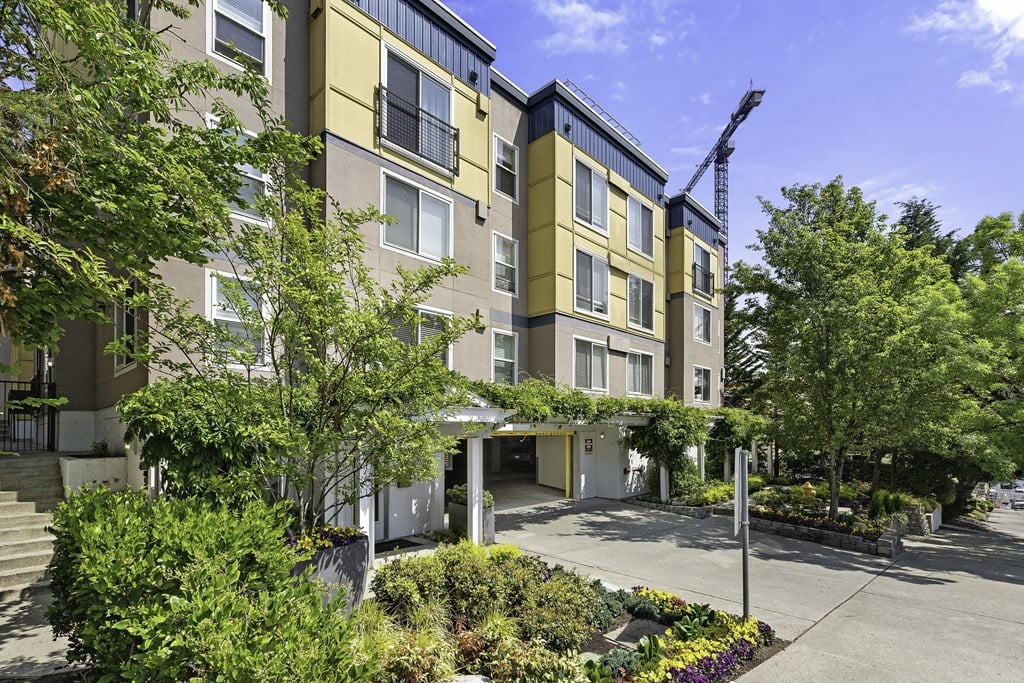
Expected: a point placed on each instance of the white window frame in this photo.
(641, 207)
(607, 285)
(388, 48)
(639, 354)
(212, 282)
(629, 303)
(268, 31)
(515, 171)
(441, 313)
(123, 364)
(515, 354)
(710, 384)
(594, 172)
(384, 175)
(495, 236)
(593, 343)
(214, 122)
(697, 248)
(710, 317)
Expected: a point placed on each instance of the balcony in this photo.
(27, 427)
(404, 125)
(703, 280)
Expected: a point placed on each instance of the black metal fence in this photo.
(27, 425)
(703, 280)
(406, 125)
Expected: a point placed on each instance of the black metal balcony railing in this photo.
(406, 125)
(26, 427)
(703, 280)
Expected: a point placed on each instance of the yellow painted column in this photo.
(568, 465)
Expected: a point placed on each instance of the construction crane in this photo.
(719, 154)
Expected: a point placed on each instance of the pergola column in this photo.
(475, 495)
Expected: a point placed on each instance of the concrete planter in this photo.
(935, 518)
(458, 520)
(341, 569)
(92, 472)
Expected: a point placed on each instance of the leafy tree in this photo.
(865, 340)
(106, 165)
(922, 228)
(336, 404)
(744, 361)
(995, 297)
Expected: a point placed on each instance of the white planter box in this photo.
(93, 472)
(935, 518)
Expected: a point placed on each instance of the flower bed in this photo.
(869, 530)
(701, 645)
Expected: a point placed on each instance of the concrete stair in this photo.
(30, 485)
(34, 477)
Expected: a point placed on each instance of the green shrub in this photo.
(459, 495)
(622, 662)
(494, 649)
(756, 482)
(448, 536)
(170, 589)
(769, 498)
(560, 612)
(877, 505)
(611, 604)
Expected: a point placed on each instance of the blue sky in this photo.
(901, 98)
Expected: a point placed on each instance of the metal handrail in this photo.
(703, 279)
(412, 128)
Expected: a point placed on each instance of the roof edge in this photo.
(556, 88)
(460, 26)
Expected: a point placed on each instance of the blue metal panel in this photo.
(555, 115)
(410, 20)
(681, 214)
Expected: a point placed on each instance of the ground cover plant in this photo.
(700, 644)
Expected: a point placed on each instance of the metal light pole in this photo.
(741, 522)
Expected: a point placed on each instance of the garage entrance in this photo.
(520, 468)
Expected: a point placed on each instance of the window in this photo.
(505, 367)
(231, 306)
(701, 324)
(591, 191)
(506, 168)
(430, 325)
(253, 185)
(641, 303)
(701, 384)
(416, 114)
(423, 220)
(640, 228)
(240, 32)
(506, 264)
(639, 367)
(252, 181)
(591, 284)
(125, 328)
(591, 366)
(703, 277)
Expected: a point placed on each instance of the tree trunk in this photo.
(876, 472)
(834, 473)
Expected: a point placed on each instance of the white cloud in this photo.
(976, 79)
(581, 27)
(995, 27)
(889, 188)
(657, 39)
(703, 98)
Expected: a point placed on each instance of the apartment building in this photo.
(580, 267)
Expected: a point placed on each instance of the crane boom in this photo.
(751, 99)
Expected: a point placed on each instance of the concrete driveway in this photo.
(951, 608)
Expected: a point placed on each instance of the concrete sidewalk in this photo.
(948, 609)
(28, 650)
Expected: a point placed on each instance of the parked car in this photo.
(1017, 504)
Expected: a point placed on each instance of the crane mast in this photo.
(719, 155)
